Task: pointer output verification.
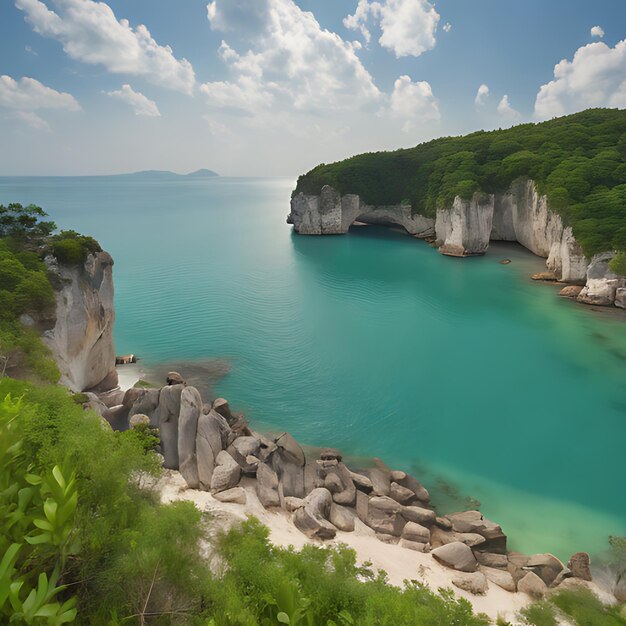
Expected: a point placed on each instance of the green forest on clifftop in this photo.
(579, 161)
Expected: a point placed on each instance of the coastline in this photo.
(398, 562)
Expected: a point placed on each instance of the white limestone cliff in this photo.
(519, 214)
(330, 213)
(81, 339)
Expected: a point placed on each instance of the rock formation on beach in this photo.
(81, 334)
(520, 214)
(214, 448)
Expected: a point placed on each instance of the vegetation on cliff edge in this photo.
(579, 161)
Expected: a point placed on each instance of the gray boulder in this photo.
(290, 449)
(419, 515)
(342, 517)
(491, 559)
(532, 585)
(580, 565)
(410, 482)
(209, 443)
(226, 474)
(165, 418)
(456, 555)
(241, 449)
(361, 482)
(415, 545)
(236, 495)
(546, 566)
(474, 583)
(312, 518)
(267, 486)
(416, 532)
(401, 494)
(337, 479)
(383, 516)
(190, 409)
(475, 522)
(499, 577)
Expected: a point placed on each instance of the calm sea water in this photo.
(464, 371)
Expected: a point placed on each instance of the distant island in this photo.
(166, 175)
(142, 175)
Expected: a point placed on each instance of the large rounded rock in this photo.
(383, 516)
(490, 559)
(312, 518)
(474, 583)
(267, 486)
(361, 482)
(290, 449)
(165, 418)
(227, 472)
(408, 481)
(209, 443)
(475, 522)
(401, 494)
(456, 555)
(342, 517)
(416, 532)
(546, 566)
(499, 577)
(580, 566)
(419, 515)
(532, 585)
(236, 495)
(190, 409)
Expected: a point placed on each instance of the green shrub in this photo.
(71, 248)
(586, 610)
(618, 263)
(539, 614)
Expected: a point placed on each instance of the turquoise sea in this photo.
(484, 384)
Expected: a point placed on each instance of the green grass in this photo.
(579, 161)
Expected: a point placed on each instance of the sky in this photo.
(274, 87)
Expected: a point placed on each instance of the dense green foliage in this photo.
(322, 586)
(71, 248)
(579, 161)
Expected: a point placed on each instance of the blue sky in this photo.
(273, 87)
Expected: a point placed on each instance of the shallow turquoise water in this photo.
(485, 384)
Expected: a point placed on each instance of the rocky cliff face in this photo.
(520, 214)
(330, 213)
(81, 339)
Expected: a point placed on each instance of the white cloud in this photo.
(408, 26)
(32, 119)
(358, 20)
(447, 27)
(90, 32)
(596, 77)
(481, 95)
(506, 110)
(292, 61)
(139, 103)
(28, 94)
(413, 103)
(597, 31)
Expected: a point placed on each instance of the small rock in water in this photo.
(571, 291)
(547, 276)
(504, 261)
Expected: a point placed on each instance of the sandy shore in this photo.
(128, 375)
(399, 563)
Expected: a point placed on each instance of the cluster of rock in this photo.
(519, 214)
(214, 448)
